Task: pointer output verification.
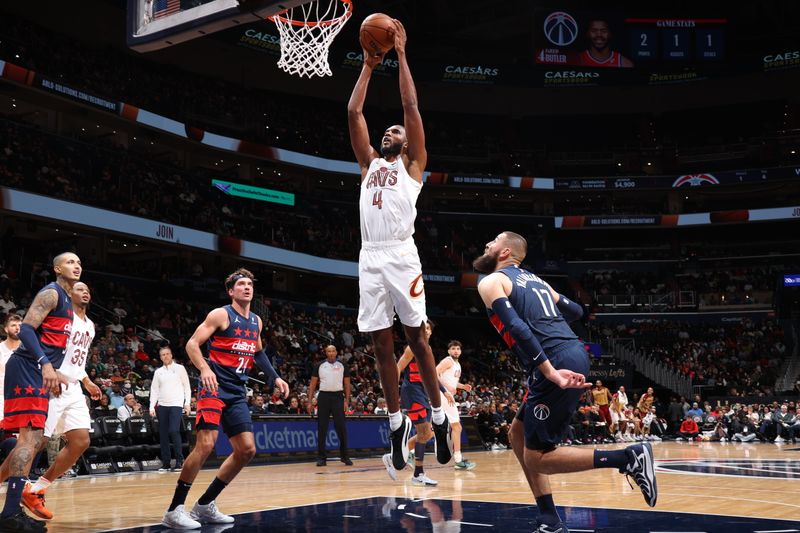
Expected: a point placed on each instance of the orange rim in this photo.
(348, 4)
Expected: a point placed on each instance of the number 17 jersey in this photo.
(531, 299)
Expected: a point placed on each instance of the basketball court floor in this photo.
(703, 487)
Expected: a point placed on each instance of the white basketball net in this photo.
(307, 32)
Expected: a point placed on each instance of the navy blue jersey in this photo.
(55, 329)
(530, 296)
(232, 350)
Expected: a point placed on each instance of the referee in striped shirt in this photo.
(333, 378)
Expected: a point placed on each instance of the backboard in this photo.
(155, 24)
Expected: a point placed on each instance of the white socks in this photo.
(395, 420)
(41, 484)
(437, 415)
(457, 457)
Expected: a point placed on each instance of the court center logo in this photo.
(541, 411)
(560, 28)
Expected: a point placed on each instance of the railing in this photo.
(643, 302)
(790, 369)
(625, 350)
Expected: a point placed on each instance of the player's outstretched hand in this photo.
(567, 379)
(283, 386)
(94, 391)
(208, 379)
(400, 36)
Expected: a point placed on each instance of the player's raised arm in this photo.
(412, 120)
(215, 320)
(359, 133)
(494, 290)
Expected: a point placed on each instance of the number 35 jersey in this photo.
(531, 299)
(231, 351)
(388, 203)
(80, 340)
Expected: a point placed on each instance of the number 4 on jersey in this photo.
(377, 198)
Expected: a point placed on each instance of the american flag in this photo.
(162, 8)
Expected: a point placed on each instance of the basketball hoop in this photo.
(307, 32)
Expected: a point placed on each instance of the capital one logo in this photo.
(560, 28)
(541, 411)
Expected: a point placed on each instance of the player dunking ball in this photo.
(68, 412)
(389, 269)
(449, 372)
(233, 333)
(30, 377)
(530, 316)
(415, 401)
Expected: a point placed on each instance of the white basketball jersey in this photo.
(5, 353)
(450, 377)
(388, 203)
(74, 365)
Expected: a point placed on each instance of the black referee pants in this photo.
(331, 403)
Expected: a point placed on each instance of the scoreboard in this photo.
(590, 39)
(693, 40)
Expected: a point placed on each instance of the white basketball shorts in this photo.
(67, 412)
(389, 281)
(450, 411)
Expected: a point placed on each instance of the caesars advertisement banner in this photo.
(575, 48)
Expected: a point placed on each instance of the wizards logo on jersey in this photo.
(231, 351)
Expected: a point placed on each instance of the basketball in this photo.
(377, 34)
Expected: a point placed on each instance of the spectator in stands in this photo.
(381, 409)
(130, 408)
(766, 430)
(103, 408)
(675, 414)
(115, 397)
(743, 429)
(689, 428)
(7, 304)
(695, 411)
(783, 420)
(259, 407)
(294, 407)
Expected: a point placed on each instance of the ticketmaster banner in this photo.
(285, 435)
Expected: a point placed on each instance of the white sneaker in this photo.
(779, 439)
(422, 479)
(387, 462)
(209, 514)
(179, 519)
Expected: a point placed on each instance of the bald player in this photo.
(532, 319)
(30, 377)
(68, 413)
